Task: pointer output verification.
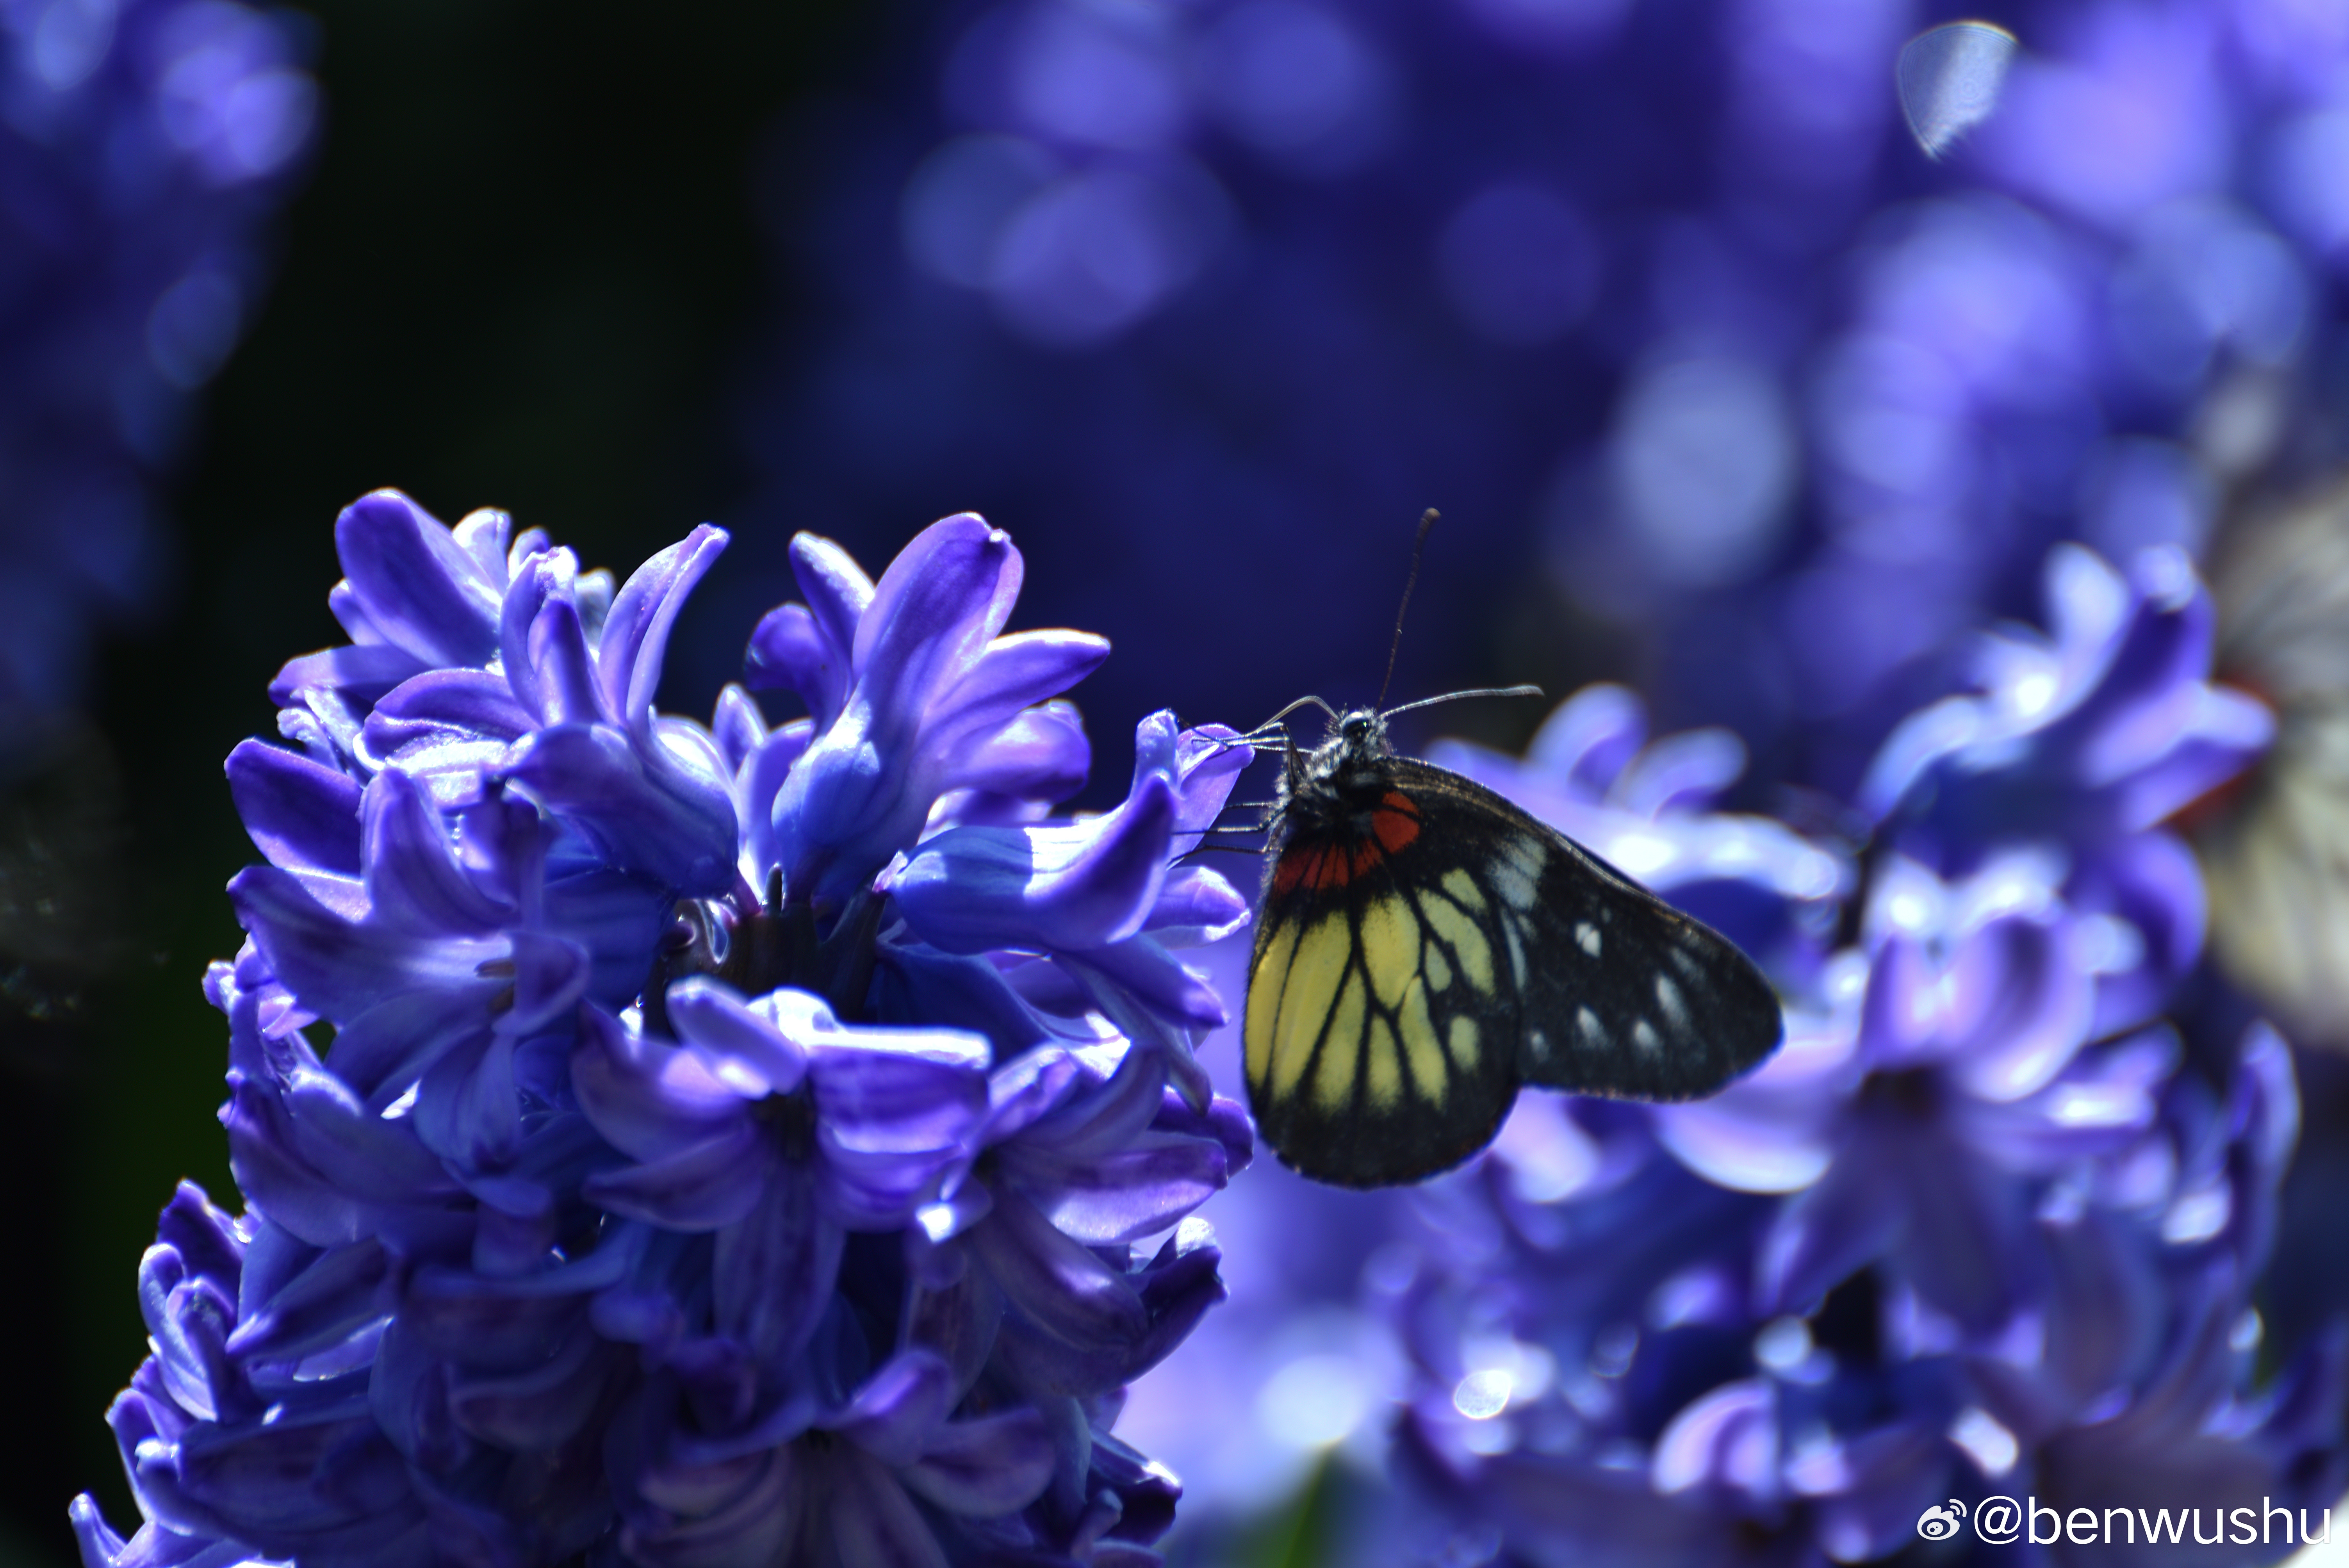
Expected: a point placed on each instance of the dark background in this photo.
(525, 271)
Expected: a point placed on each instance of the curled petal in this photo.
(742, 1047)
(1057, 1283)
(1011, 674)
(420, 591)
(303, 815)
(1085, 885)
(637, 629)
(413, 880)
(655, 819)
(838, 592)
(942, 599)
(444, 706)
(1040, 755)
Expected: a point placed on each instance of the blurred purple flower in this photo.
(671, 1187)
(1980, 1226)
(144, 146)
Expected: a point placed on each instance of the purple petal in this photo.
(2134, 709)
(303, 816)
(2222, 733)
(542, 1409)
(466, 1107)
(1152, 977)
(913, 984)
(1010, 673)
(984, 1469)
(665, 823)
(636, 628)
(1056, 1283)
(418, 587)
(1727, 1440)
(1208, 766)
(1823, 1234)
(362, 673)
(382, 1051)
(788, 651)
(1040, 755)
(773, 1274)
(414, 883)
(2023, 1004)
(1683, 772)
(872, 1523)
(761, 780)
(321, 1306)
(650, 1099)
(894, 1415)
(1122, 1197)
(1777, 1129)
(1586, 744)
(972, 888)
(737, 726)
(563, 668)
(1025, 1088)
(838, 593)
(893, 1124)
(945, 595)
(1199, 903)
(340, 969)
(741, 1047)
(444, 706)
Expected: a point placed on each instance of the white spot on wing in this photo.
(1517, 950)
(1539, 1041)
(1518, 873)
(1643, 1034)
(1585, 936)
(1587, 1025)
(1668, 997)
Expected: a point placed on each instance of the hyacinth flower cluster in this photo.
(144, 146)
(1991, 1223)
(680, 1144)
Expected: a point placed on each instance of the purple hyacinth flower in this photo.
(2108, 728)
(607, 1196)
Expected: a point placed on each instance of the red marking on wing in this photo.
(1396, 821)
(1315, 867)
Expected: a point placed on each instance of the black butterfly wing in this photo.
(1400, 993)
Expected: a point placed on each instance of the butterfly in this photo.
(1424, 948)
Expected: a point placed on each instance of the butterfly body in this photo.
(1424, 948)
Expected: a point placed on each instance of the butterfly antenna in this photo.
(1426, 521)
(1456, 695)
(1271, 726)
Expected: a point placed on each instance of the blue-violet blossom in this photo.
(688, 1146)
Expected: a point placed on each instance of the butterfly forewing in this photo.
(1407, 979)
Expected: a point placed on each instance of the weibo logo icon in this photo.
(1943, 1523)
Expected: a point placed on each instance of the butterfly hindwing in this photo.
(1405, 983)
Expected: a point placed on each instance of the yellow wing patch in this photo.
(1463, 935)
(1316, 971)
(1266, 981)
(1341, 1048)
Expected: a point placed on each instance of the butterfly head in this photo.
(1349, 767)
